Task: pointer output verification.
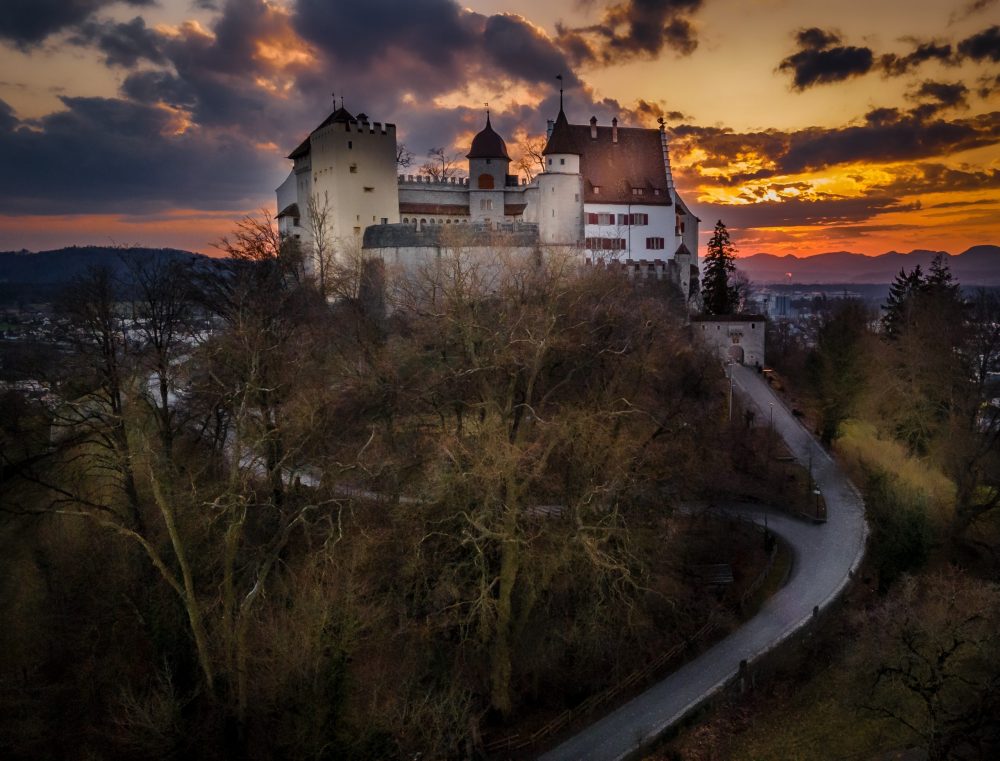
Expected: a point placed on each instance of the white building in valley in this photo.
(606, 192)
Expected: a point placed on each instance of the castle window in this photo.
(638, 191)
(655, 244)
(485, 182)
(576, 196)
(354, 168)
(406, 220)
(597, 189)
(350, 145)
(423, 221)
(605, 219)
(550, 162)
(623, 219)
(656, 191)
(489, 161)
(605, 244)
(562, 161)
(486, 204)
(369, 190)
(639, 219)
(385, 220)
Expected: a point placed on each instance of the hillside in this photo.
(979, 265)
(59, 265)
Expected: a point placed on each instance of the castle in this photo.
(606, 192)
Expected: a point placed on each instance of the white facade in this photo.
(349, 165)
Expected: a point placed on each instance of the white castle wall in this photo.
(354, 172)
(661, 224)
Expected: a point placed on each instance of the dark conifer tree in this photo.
(899, 304)
(718, 293)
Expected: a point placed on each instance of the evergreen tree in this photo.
(719, 295)
(898, 306)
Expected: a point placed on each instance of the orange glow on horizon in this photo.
(188, 229)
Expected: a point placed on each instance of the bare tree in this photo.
(404, 156)
(321, 253)
(441, 164)
(934, 648)
(530, 160)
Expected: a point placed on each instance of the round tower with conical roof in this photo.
(560, 188)
(489, 165)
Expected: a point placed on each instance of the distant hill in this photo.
(979, 265)
(63, 264)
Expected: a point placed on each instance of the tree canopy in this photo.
(719, 294)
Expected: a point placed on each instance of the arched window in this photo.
(486, 182)
(423, 221)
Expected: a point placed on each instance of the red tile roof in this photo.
(616, 168)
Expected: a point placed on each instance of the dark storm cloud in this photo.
(28, 22)
(633, 29)
(152, 87)
(122, 44)
(895, 65)
(826, 211)
(110, 155)
(983, 46)
(988, 85)
(887, 135)
(536, 59)
(433, 31)
(442, 45)
(820, 59)
(942, 95)
(906, 138)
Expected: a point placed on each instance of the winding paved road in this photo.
(824, 557)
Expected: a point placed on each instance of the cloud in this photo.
(113, 155)
(122, 44)
(633, 29)
(29, 22)
(730, 158)
(983, 46)
(938, 96)
(988, 85)
(821, 60)
(970, 9)
(895, 66)
(798, 212)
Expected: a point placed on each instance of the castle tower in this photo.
(345, 170)
(560, 188)
(489, 165)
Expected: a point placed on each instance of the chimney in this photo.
(614, 130)
(593, 128)
(548, 129)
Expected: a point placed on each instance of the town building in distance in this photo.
(606, 193)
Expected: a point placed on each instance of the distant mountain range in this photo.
(979, 265)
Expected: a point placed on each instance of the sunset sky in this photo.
(805, 125)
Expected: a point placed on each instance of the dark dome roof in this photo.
(488, 144)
